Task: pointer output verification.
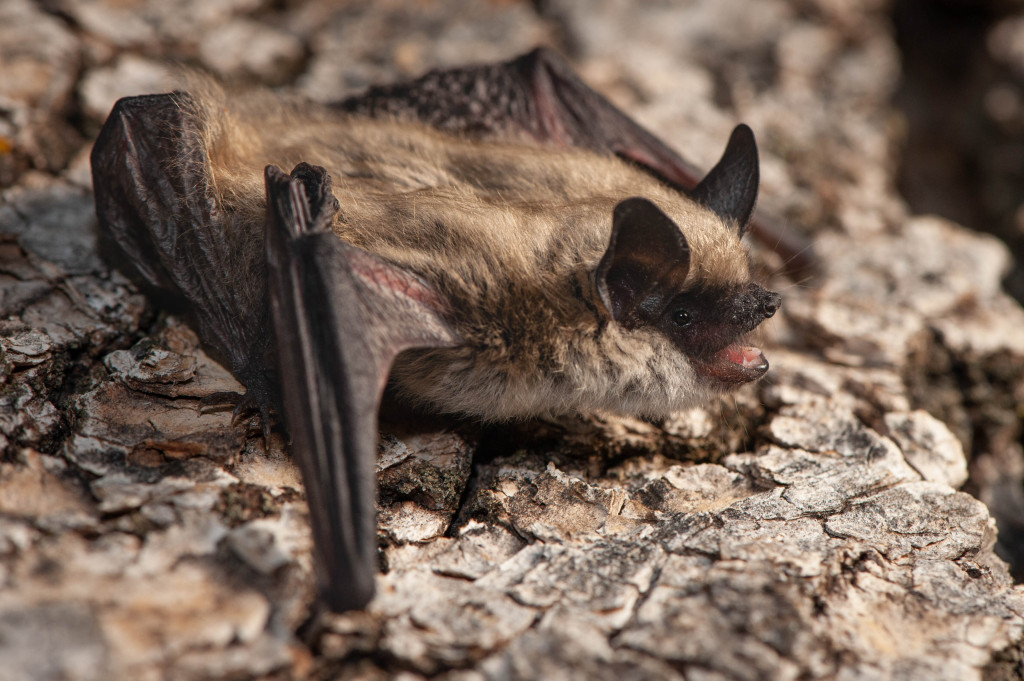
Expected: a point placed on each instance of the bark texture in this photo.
(809, 528)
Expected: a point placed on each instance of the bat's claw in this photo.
(250, 406)
(323, 204)
(256, 401)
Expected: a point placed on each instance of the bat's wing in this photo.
(540, 97)
(154, 198)
(340, 315)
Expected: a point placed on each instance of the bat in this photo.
(495, 241)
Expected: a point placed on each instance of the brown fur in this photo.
(510, 233)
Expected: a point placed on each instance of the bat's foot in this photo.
(258, 401)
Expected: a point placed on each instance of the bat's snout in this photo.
(770, 303)
(751, 306)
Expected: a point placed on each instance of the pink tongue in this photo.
(744, 355)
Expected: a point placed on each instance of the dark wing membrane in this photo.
(154, 198)
(340, 316)
(539, 97)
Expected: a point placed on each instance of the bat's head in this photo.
(653, 320)
(695, 293)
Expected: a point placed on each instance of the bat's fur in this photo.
(530, 277)
(510, 234)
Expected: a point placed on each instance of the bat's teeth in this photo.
(735, 364)
(746, 356)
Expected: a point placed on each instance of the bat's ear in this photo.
(646, 262)
(730, 188)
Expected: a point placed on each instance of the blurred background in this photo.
(960, 93)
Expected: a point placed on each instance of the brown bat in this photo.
(500, 240)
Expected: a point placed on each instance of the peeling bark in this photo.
(809, 527)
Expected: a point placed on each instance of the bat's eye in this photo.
(681, 318)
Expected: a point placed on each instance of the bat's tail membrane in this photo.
(340, 316)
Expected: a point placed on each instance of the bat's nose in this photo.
(771, 303)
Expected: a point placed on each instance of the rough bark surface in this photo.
(809, 528)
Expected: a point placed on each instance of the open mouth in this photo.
(734, 364)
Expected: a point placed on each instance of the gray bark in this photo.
(809, 527)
